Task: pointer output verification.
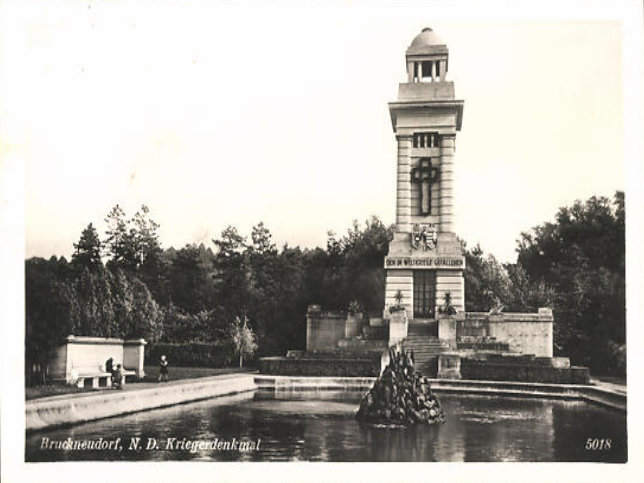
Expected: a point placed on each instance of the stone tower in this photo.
(425, 259)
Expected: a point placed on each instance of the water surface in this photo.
(478, 428)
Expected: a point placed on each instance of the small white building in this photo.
(81, 359)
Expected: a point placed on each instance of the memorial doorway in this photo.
(424, 294)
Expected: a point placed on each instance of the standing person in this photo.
(109, 365)
(163, 368)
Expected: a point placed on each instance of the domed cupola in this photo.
(427, 58)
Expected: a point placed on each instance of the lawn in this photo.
(152, 372)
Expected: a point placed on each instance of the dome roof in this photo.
(425, 42)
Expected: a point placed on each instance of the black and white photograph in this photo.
(243, 233)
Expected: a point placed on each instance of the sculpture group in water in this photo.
(400, 396)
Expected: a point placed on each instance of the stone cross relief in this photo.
(426, 175)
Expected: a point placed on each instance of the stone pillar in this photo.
(134, 356)
(313, 315)
(410, 72)
(420, 71)
(446, 183)
(398, 327)
(433, 67)
(403, 185)
(443, 69)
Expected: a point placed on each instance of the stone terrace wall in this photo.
(365, 366)
(524, 333)
(324, 330)
(524, 372)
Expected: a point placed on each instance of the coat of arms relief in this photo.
(424, 237)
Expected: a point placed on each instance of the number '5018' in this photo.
(598, 444)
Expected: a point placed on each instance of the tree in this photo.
(486, 282)
(133, 245)
(232, 272)
(51, 310)
(119, 244)
(362, 273)
(580, 257)
(88, 249)
(526, 295)
(145, 315)
(144, 236)
(262, 240)
(243, 338)
(351, 268)
(190, 279)
(62, 302)
(490, 285)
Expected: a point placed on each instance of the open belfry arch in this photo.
(425, 259)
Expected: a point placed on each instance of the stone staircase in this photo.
(426, 348)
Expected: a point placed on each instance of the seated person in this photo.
(118, 378)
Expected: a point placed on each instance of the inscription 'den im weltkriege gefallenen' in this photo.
(425, 262)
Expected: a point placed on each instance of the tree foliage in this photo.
(243, 339)
(574, 265)
(87, 252)
(62, 301)
(580, 257)
(132, 245)
(491, 285)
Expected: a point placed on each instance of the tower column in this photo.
(403, 185)
(446, 183)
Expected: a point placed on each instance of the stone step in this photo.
(422, 337)
(420, 350)
(423, 347)
(435, 350)
(423, 344)
(426, 350)
(423, 341)
(422, 329)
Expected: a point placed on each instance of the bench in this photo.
(97, 378)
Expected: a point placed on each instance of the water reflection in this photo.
(478, 428)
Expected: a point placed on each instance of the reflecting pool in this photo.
(247, 428)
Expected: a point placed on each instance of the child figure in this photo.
(118, 381)
(163, 369)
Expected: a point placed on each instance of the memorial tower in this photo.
(425, 259)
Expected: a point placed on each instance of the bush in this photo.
(195, 354)
(614, 360)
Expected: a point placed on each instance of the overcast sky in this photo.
(219, 113)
